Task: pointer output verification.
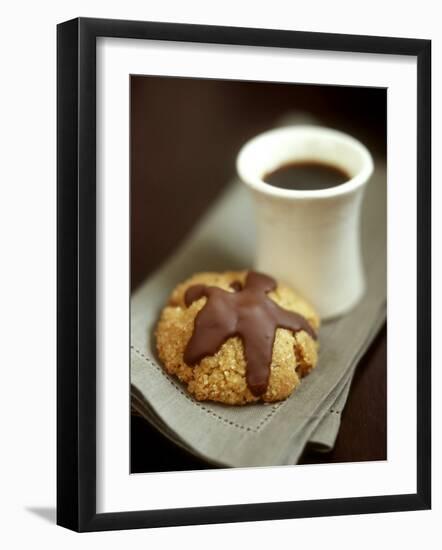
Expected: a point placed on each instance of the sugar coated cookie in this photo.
(237, 337)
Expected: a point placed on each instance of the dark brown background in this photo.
(185, 134)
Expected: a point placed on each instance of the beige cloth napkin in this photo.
(258, 434)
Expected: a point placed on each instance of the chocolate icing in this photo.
(248, 313)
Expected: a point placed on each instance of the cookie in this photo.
(237, 337)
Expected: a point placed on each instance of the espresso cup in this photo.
(310, 239)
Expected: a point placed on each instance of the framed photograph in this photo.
(241, 213)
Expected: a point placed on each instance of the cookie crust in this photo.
(222, 377)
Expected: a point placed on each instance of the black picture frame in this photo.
(76, 273)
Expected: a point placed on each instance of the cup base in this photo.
(343, 310)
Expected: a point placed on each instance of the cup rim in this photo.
(258, 184)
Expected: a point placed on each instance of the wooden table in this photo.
(184, 139)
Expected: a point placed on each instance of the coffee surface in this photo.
(306, 176)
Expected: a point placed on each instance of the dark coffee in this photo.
(306, 176)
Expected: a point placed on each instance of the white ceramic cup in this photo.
(310, 239)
